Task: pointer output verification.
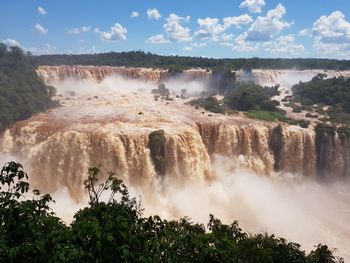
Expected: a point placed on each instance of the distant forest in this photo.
(179, 63)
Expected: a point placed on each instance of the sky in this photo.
(207, 28)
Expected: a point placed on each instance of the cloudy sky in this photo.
(208, 28)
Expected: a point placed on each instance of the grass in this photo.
(266, 115)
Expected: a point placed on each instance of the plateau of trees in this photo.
(333, 94)
(179, 63)
(116, 231)
(22, 93)
(240, 96)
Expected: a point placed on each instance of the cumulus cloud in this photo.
(211, 28)
(237, 20)
(11, 42)
(284, 45)
(45, 50)
(40, 29)
(332, 35)
(134, 14)
(241, 45)
(227, 37)
(79, 30)
(265, 27)
(305, 32)
(175, 31)
(41, 11)
(153, 14)
(157, 39)
(203, 44)
(254, 6)
(117, 32)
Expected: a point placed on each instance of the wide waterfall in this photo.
(237, 167)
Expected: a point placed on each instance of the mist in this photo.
(300, 209)
(120, 85)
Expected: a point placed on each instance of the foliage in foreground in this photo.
(115, 231)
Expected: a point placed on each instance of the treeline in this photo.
(115, 231)
(22, 93)
(178, 63)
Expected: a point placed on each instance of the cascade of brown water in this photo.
(52, 74)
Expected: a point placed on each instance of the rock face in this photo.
(156, 145)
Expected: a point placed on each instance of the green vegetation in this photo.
(241, 96)
(266, 115)
(22, 93)
(246, 96)
(210, 104)
(178, 63)
(334, 93)
(115, 231)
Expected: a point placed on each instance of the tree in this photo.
(29, 231)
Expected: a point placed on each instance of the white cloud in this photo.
(203, 44)
(157, 39)
(41, 11)
(305, 32)
(210, 28)
(79, 30)
(11, 42)
(40, 29)
(153, 14)
(265, 27)
(175, 31)
(241, 45)
(227, 37)
(187, 48)
(237, 20)
(134, 14)
(284, 45)
(45, 50)
(332, 35)
(332, 29)
(117, 32)
(254, 6)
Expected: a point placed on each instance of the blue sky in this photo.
(230, 28)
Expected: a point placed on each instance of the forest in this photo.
(332, 93)
(22, 93)
(179, 63)
(115, 230)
